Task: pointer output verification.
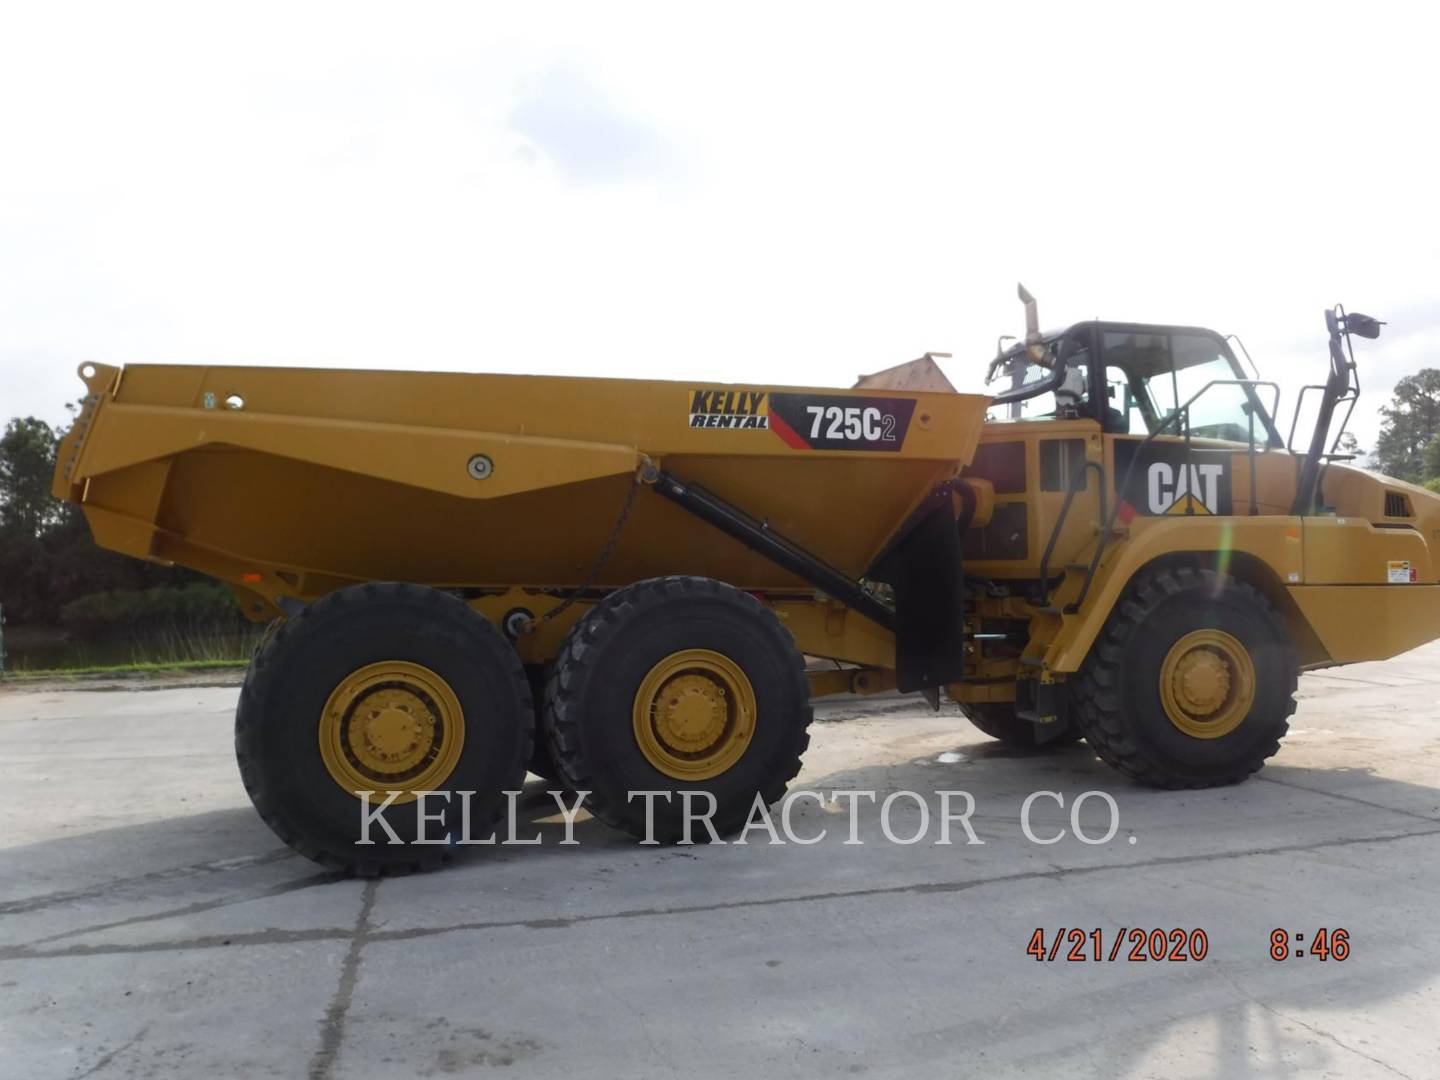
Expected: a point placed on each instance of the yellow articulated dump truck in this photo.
(616, 583)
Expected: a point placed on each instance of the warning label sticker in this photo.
(1399, 572)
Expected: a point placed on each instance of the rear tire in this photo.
(382, 687)
(998, 720)
(654, 690)
(1191, 683)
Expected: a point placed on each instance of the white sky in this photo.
(776, 193)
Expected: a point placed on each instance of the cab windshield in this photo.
(1150, 374)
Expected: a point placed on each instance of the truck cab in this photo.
(1113, 448)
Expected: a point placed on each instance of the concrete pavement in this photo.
(151, 926)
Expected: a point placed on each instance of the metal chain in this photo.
(645, 473)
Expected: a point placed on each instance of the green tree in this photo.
(27, 459)
(1408, 431)
(27, 450)
(1432, 461)
(47, 555)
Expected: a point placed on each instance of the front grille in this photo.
(1396, 505)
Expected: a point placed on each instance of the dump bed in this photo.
(293, 482)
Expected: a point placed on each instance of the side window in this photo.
(1123, 412)
(1140, 398)
(1073, 397)
(1070, 398)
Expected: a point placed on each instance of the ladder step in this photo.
(1051, 610)
(1033, 661)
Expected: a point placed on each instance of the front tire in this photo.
(1191, 683)
(672, 685)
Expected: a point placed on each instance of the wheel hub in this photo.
(694, 714)
(1204, 681)
(390, 724)
(1207, 684)
(690, 712)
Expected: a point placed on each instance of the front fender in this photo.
(1274, 541)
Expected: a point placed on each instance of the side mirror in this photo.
(1363, 325)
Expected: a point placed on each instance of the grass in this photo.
(142, 668)
(171, 649)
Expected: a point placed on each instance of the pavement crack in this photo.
(1328, 1037)
(204, 941)
(106, 1059)
(1245, 993)
(109, 888)
(1348, 798)
(309, 882)
(332, 1029)
(365, 933)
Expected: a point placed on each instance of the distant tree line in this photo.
(48, 560)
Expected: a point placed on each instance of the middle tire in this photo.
(998, 720)
(542, 761)
(678, 684)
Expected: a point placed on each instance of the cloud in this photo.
(566, 116)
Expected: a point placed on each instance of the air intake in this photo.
(1396, 505)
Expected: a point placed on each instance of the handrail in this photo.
(1350, 396)
(1076, 486)
(1343, 385)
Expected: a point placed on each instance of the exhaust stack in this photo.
(1032, 315)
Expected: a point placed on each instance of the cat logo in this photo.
(1167, 478)
(1184, 489)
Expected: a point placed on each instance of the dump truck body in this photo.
(314, 479)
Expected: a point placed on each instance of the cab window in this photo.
(1123, 412)
(1069, 395)
(1165, 371)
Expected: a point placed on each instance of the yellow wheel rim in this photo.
(1207, 684)
(694, 714)
(392, 726)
